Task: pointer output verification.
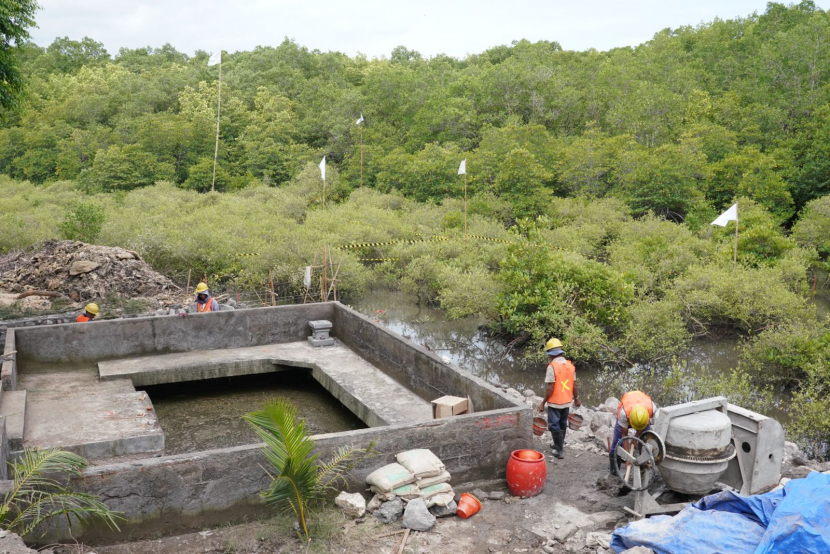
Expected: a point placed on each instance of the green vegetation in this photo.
(298, 482)
(15, 20)
(37, 496)
(593, 177)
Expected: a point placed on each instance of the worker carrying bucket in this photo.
(560, 394)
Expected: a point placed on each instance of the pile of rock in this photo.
(415, 486)
(83, 272)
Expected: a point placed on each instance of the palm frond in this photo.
(342, 462)
(39, 492)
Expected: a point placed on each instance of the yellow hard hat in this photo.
(553, 343)
(638, 418)
(201, 287)
(92, 308)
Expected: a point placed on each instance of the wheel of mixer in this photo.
(656, 444)
(636, 458)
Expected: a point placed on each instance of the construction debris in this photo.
(82, 272)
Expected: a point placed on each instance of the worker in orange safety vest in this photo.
(204, 303)
(90, 311)
(560, 394)
(636, 409)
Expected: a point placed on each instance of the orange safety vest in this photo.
(563, 386)
(82, 319)
(206, 307)
(635, 398)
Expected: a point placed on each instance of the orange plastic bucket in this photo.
(539, 426)
(575, 421)
(468, 506)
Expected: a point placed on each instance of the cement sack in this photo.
(421, 463)
(406, 492)
(429, 481)
(389, 477)
(442, 499)
(441, 488)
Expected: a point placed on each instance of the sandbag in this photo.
(441, 488)
(429, 481)
(389, 477)
(421, 462)
(443, 499)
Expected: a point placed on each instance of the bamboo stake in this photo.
(187, 290)
(271, 286)
(218, 111)
(334, 280)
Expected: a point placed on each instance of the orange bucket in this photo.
(575, 421)
(540, 425)
(468, 506)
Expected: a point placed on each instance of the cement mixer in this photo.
(697, 445)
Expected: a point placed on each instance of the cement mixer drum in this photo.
(698, 449)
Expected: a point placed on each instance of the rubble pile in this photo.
(84, 272)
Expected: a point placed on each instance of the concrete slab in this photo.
(13, 407)
(73, 411)
(367, 391)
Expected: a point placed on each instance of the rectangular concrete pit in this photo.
(175, 493)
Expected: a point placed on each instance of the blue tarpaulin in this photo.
(795, 519)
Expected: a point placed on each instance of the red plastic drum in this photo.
(526, 473)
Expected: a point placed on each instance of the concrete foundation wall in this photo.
(101, 340)
(191, 491)
(421, 371)
(8, 370)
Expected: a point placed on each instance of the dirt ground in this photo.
(502, 526)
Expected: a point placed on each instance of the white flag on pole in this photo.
(323, 168)
(462, 169)
(359, 121)
(729, 215)
(215, 59)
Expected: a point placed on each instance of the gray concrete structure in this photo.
(385, 379)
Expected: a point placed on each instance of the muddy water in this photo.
(462, 342)
(203, 415)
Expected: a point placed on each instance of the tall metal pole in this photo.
(218, 111)
(361, 155)
(465, 204)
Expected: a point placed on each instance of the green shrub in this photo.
(813, 227)
(83, 221)
(655, 331)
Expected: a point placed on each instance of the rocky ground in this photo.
(75, 273)
(578, 509)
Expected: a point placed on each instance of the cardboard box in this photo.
(448, 406)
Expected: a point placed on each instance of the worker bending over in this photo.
(90, 311)
(560, 395)
(635, 410)
(204, 303)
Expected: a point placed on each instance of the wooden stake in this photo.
(398, 532)
(187, 290)
(403, 542)
(271, 286)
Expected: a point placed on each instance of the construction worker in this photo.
(635, 410)
(204, 303)
(560, 394)
(90, 311)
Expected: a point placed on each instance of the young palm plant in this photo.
(36, 496)
(299, 482)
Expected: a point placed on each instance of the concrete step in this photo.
(13, 407)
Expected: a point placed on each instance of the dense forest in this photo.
(593, 178)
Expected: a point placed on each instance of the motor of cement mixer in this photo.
(697, 445)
